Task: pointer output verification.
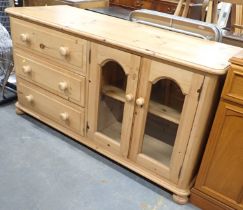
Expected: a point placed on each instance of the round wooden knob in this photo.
(140, 101)
(25, 37)
(129, 97)
(29, 98)
(63, 86)
(64, 116)
(64, 51)
(26, 69)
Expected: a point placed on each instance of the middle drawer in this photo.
(65, 84)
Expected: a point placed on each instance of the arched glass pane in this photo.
(165, 106)
(112, 100)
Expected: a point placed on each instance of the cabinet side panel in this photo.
(199, 133)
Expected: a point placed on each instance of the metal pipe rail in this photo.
(177, 24)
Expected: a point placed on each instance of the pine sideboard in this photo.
(140, 95)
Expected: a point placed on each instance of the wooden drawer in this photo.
(233, 89)
(63, 83)
(64, 48)
(50, 106)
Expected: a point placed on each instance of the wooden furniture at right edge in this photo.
(219, 184)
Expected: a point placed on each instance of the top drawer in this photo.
(233, 88)
(64, 48)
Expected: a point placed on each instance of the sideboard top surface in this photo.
(203, 55)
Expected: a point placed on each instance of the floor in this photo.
(41, 169)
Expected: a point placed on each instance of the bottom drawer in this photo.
(50, 106)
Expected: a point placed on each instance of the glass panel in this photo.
(112, 100)
(165, 106)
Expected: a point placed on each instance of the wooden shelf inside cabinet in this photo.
(164, 111)
(114, 92)
(158, 150)
(155, 108)
(152, 147)
(113, 131)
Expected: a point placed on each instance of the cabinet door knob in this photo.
(64, 116)
(29, 98)
(63, 86)
(140, 101)
(129, 97)
(26, 69)
(64, 51)
(25, 37)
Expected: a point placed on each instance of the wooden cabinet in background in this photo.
(41, 2)
(219, 184)
(84, 4)
(166, 6)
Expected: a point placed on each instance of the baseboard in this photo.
(206, 202)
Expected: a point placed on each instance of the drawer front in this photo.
(66, 85)
(50, 43)
(233, 89)
(51, 106)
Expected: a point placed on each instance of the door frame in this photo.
(190, 83)
(130, 63)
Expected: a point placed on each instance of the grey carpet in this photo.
(42, 169)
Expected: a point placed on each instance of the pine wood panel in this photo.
(100, 55)
(186, 50)
(65, 84)
(190, 108)
(189, 83)
(64, 48)
(201, 126)
(52, 107)
(79, 4)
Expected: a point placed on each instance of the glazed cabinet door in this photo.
(221, 172)
(112, 89)
(166, 103)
